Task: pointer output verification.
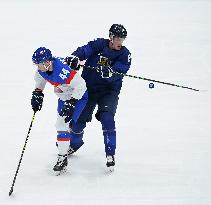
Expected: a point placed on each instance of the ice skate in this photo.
(110, 163)
(61, 165)
(70, 151)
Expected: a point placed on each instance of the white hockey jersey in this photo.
(67, 83)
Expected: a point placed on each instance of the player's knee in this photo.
(77, 135)
(78, 127)
(77, 132)
(107, 121)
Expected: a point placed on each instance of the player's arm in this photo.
(84, 52)
(37, 94)
(40, 82)
(121, 65)
(71, 94)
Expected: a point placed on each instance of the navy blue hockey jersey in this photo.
(93, 52)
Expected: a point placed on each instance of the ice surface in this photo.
(164, 135)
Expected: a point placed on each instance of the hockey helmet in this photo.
(118, 30)
(41, 55)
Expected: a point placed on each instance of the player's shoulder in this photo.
(101, 40)
(125, 55)
(58, 59)
(60, 63)
(125, 51)
(99, 43)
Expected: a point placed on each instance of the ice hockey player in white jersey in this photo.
(69, 86)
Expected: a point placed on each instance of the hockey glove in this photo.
(68, 109)
(37, 100)
(73, 62)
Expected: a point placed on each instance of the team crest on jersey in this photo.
(103, 61)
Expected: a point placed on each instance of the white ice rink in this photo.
(163, 134)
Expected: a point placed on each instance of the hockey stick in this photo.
(24, 147)
(142, 78)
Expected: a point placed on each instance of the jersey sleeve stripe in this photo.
(53, 83)
(72, 74)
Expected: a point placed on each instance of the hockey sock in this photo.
(63, 141)
(109, 132)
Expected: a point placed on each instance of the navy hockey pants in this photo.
(107, 102)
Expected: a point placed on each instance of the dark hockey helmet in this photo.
(41, 55)
(118, 30)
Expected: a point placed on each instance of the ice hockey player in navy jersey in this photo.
(105, 56)
(69, 86)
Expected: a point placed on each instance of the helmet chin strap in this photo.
(47, 67)
(112, 39)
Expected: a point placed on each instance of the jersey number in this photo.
(64, 73)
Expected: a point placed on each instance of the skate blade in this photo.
(57, 173)
(110, 169)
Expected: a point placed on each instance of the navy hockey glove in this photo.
(37, 100)
(73, 62)
(68, 109)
